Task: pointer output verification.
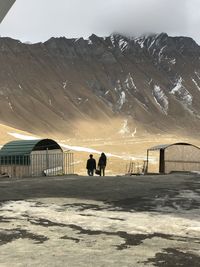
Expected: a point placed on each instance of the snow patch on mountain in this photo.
(65, 84)
(151, 43)
(122, 99)
(10, 105)
(172, 61)
(160, 55)
(181, 93)
(197, 74)
(129, 83)
(107, 92)
(134, 133)
(90, 41)
(140, 41)
(125, 129)
(123, 44)
(177, 87)
(187, 98)
(161, 99)
(77, 39)
(122, 87)
(119, 86)
(195, 82)
(112, 39)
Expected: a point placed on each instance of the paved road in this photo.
(96, 188)
(100, 221)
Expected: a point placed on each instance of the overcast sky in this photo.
(38, 20)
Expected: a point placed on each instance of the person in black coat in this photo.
(102, 164)
(91, 165)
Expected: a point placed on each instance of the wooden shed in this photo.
(178, 157)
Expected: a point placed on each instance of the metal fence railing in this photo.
(36, 165)
(135, 168)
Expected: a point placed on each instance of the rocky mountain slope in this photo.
(69, 86)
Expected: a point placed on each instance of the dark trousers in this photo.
(91, 172)
(102, 170)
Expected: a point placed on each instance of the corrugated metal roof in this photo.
(25, 147)
(159, 147)
(19, 147)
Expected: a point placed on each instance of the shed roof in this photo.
(24, 147)
(162, 147)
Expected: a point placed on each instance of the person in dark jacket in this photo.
(102, 164)
(91, 165)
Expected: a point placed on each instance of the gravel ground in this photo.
(100, 221)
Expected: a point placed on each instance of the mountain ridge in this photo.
(152, 82)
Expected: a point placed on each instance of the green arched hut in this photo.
(25, 158)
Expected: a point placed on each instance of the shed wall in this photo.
(51, 162)
(182, 158)
(15, 170)
(46, 160)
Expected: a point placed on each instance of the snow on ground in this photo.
(23, 136)
(74, 148)
(79, 148)
(68, 212)
(51, 231)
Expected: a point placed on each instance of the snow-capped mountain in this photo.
(151, 82)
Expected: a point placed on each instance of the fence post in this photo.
(47, 159)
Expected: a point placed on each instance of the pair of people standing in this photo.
(91, 165)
